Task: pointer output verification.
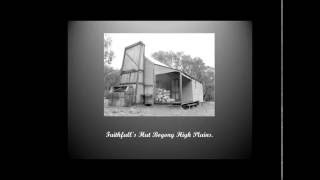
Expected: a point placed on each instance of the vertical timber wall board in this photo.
(148, 77)
(187, 90)
(133, 77)
(154, 83)
(141, 65)
(201, 93)
(194, 90)
(140, 75)
(174, 93)
(144, 74)
(129, 64)
(133, 53)
(137, 87)
(180, 87)
(140, 79)
(197, 89)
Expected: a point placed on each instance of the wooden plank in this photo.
(129, 65)
(133, 60)
(128, 83)
(136, 95)
(131, 71)
(124, 78)
(154, 82)
(180, 86)
(135, 44)
(142, 58)
(124, 55)
(148, 81)
(133, 77)
(141, 75)
(198, 91)
(133, 53)
(144, 74)
(175, 88)
(148, 73)
(130, 58)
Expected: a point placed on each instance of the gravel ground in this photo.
(204, 109)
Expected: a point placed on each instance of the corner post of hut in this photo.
(180, 86)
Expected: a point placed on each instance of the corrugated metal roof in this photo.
(156, 61)
(161, 64)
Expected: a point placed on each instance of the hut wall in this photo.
(187, 90)
(198, 91)
(139, 94)
(148, 77)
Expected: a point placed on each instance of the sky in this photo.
(194, 44)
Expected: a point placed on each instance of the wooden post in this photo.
(124, 56)
(143, 74)
(136, 91)
(180, 86)
(138, 74)
(154, 85)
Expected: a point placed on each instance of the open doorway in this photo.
(167, 88)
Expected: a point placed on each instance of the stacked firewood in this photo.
(163, 96)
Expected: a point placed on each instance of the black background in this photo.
(39, 140)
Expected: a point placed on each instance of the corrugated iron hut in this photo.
(155, 82)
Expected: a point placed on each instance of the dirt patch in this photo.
(203, 109)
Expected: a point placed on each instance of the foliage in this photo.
(208, 80)
(108, 53)
(170, 58)
(111, 78)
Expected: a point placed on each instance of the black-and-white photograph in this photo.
(159, 74)
(150, 89)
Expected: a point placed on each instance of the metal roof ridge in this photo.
(134, 44)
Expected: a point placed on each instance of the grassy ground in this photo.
(204, 109)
